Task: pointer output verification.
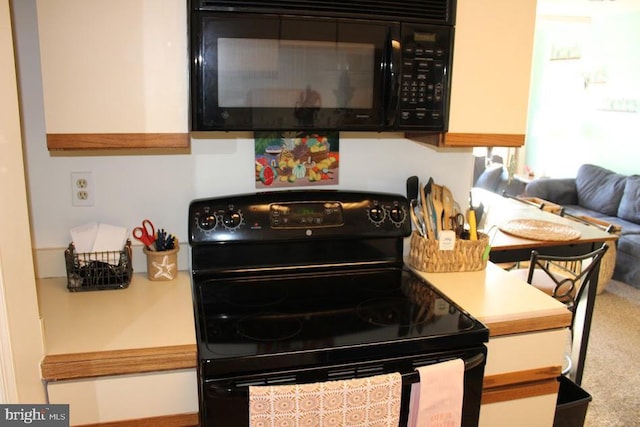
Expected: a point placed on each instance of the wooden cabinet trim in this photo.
(519, 377)
(521, 384)
(454, 139)
(118, 362)
(520, 391)
(509, 327)
(93, 141)
(178, 420)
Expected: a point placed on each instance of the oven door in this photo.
(258, 72)
(224, 402)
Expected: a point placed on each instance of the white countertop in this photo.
(158, 314)
(147, 314)
(496, 297)
(149, 326)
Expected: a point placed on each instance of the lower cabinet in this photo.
(537, 411)
(158, 398)
(520, 388)
(520, 384)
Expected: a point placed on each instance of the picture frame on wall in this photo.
(294, 159)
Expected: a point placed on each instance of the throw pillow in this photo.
(630, 204)
(600, 189)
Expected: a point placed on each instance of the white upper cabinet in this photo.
(116, 67)
(491, 72)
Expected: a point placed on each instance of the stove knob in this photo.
(376, 214)
(207, 222)
(232, 219)
(397, 214)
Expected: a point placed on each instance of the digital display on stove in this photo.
(306, 214)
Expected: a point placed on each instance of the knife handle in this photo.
(471, 219)
(426, 216)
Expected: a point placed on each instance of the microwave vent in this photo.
(428, 11)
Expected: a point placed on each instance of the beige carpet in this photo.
(612, 366)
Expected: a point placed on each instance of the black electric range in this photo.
(304, 286)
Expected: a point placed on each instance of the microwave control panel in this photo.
(423, 76)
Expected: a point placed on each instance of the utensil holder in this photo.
(162, 265)
(467, 255)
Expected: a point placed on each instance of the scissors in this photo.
(457, 224)
(146, 234)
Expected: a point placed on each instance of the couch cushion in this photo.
(630, 244)
(577, 210)
(627, 269)
(600, 189)
(490, 178)
(627, 227)
(629, 208)
(561, 191)
(510, 187)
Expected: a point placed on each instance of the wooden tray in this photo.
(537, 229)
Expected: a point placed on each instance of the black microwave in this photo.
(320, 65)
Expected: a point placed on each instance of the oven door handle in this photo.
(407, 378)
(469, 364)
(474, 362)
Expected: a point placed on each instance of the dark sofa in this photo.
(603, 194)
(496, 178)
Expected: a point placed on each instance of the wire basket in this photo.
(94, 271)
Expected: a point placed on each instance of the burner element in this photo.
(251, 295)
(269, 326)
(393, 311)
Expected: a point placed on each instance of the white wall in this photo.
(130, 187)
(568, 124)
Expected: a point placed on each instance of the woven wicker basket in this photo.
(467, 255)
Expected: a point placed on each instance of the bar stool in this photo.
(555, 276)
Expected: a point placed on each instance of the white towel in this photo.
(436, 401)
(362, 402)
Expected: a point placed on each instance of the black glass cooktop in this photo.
(301, 313)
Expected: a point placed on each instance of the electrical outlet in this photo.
(82, 190)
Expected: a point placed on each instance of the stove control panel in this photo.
(306, 214)
(298, 214)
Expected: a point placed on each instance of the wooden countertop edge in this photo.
(58, 367)
(506, 326)
(118, 362)
(179, 420)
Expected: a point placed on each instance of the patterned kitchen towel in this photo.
(361, 402)
(436, 401)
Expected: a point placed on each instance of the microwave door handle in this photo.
(390, 71)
